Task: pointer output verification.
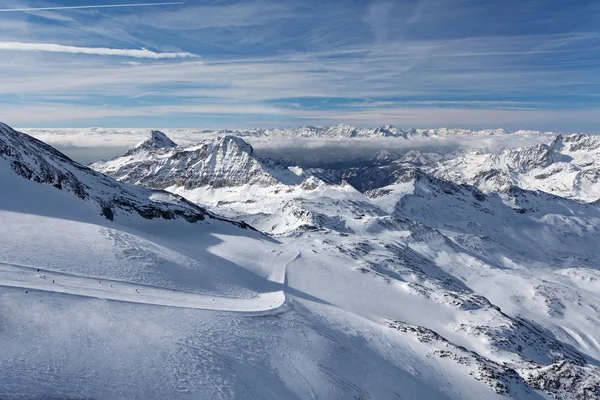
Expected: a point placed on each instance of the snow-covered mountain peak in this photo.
(383, 156)
(156, 140)
(239, 144)
(580, 143)
(558, 143)
(388, 131)
(538, 156)
(224, 161)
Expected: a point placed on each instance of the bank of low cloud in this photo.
(93, 144)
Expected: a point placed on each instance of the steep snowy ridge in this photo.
(220, 162)
(36, 161)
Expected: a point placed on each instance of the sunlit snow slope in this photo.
(411, 288)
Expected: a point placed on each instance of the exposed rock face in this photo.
(565, 380)
(502, 379)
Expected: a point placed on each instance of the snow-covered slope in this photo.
(489, 269)
(379, 281)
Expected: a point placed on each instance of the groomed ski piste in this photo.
(45, 219)
(67, 280)
(31, 278)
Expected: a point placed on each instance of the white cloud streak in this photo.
(57, 48)
(88, 7)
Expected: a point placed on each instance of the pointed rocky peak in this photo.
(382, 157)
(386, 131)
(237, 142)
(558, 143)
(222, 161)
(538, 156)
(411, 132)
(156, 140)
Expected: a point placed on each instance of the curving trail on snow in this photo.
(29, 278)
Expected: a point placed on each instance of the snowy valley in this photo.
(209, 270)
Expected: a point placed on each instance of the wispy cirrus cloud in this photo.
(103, 51)
(417, 63)
(89, 7)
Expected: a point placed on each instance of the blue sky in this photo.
(531, 64)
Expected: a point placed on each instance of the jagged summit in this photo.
(156, 140)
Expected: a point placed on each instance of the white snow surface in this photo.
(413, 287)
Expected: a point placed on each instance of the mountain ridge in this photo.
(36, 161)
(219, 162)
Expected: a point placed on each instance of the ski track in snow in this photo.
(31, 278)
(279, 268)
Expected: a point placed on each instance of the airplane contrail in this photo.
(57, 48)
(95, 6)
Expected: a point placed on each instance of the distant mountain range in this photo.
(349, 131)
(567, 167)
